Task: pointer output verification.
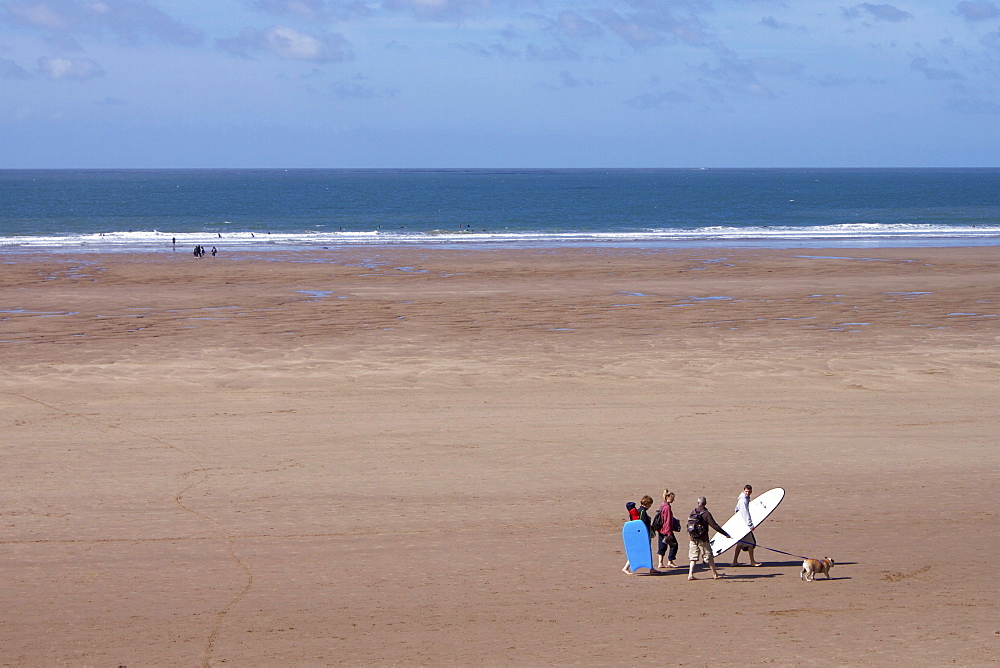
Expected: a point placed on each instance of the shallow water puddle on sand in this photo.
(842, 327)
(316, 295)
(74, 273)
(908, 296)
(858, 259)
(709, 261)
(41, 314)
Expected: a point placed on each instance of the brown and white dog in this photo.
(813, 567)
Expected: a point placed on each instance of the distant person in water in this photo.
(214, 251)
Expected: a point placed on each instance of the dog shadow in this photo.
(747, 572)
(744, 571)
(798, 563)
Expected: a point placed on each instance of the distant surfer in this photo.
(699, 548)
(749, 542)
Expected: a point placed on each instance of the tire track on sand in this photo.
(201, 468)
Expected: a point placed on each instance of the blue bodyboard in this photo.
(637, 548)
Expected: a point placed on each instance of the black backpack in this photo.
(657, 522)
(697, 526)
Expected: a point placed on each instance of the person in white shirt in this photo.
(749, 542)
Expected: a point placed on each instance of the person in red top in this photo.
(666, 540)
(641, 514)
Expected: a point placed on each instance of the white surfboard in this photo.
(737, 527)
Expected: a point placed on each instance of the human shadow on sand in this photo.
(748, 574)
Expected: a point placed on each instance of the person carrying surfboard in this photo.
(699, 548)
(749, 542)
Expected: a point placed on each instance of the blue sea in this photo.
(147, 210)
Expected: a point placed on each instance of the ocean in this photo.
(147, 210)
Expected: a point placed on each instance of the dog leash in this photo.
(746, 542)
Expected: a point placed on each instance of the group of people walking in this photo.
(665, 527)
(199, 251)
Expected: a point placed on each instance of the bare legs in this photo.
(749, 549)
(711, 563)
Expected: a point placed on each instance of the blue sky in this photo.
(495, 83)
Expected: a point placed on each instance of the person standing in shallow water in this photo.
(666, 542)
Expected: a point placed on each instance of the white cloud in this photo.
(635, 31)
(440, 10)
(923, 66)
(11, 70)
(883, 12)
(69, 68)
(127, 19)
(37, 14)
(571, 24)
(657, 23)
(318, 11)
(973, 107)
(977, 11)
(289, 43)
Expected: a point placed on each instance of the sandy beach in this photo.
(404, 456)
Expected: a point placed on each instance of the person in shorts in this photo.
(699, 549)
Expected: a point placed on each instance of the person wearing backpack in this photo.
(699, 548)
(665, 533)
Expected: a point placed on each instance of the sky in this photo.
(499, 83)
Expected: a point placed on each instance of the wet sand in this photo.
(405, 456)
